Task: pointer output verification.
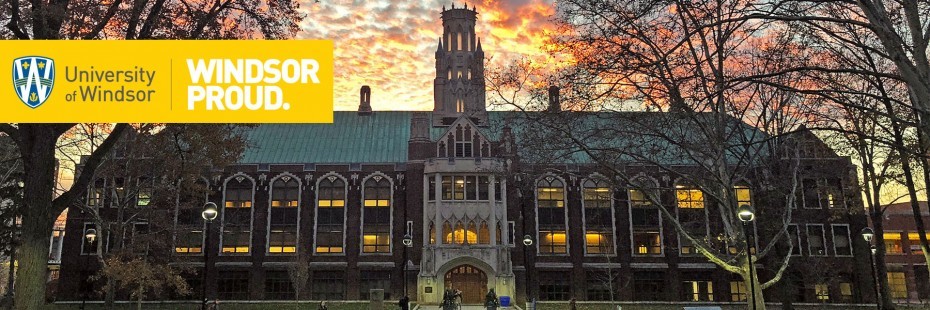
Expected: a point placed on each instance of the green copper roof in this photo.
(382, 137)
(377, 138)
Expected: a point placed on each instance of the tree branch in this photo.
(86, 175)
(13, 25)
(111, 10)
(11, 131)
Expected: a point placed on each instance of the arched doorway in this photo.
(470, 280)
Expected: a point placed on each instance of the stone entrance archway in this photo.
(470, 280)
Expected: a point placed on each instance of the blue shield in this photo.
(33, 78)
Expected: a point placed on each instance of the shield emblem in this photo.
(33, 78)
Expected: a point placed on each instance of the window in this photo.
(842, 245)
(645, 224)
(498, 190)
(89, 247)
(598, 218)
(328, 285)
(472, 188)
(95, 196)
(638, 198)
(189, 237)
(822, 292)
(647, 243)
(698, 291)
(278, 285)
(914, 240)
(512, 230)
(738, 291)
(237, 216)
(553, 285)
(689, 198)
(795, 239)
(648, 285)
(376, 225)
(284, 215)
(232, 285)
(846, 289)
(375, 280)
(893, 243)
(58, 236)
(431, 190)
(815, 245)
(330, 215)
(599, 284)
(897, 284)
(144, 194)
(550, 212)
(466, 233)
(463, 135)
(834, 194)
(743, 195)
(552, 242)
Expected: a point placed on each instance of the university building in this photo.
(347, 193)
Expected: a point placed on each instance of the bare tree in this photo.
(118, 19)
(722, 132)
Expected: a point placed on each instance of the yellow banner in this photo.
(288, 81)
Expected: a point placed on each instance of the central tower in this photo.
(459, 85)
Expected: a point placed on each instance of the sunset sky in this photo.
(390, 45)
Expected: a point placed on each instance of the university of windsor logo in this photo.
(33, 78)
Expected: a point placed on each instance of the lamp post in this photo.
(527, 242)
(746, 214)
(868, 234)
(408, 243)
(90, 235)
(209, 214)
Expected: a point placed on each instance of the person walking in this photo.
(323, 306)
(404, 303)
(572, 305)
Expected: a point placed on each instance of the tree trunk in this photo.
(880, 270)
(37, 148)
(753, 286)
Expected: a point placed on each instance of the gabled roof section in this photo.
(380, 137)
(462, 120)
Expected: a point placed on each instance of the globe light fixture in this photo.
(90, 234)
(408, 240)
(868, 234)
(527, 240)
(745, 213)
(209, 212)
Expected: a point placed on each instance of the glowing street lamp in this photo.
(746, 214)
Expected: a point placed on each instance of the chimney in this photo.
(419, 127)
(364, 105)
(554, 104)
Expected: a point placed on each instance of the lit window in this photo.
(283, 215)
(743, 195)
(647, 243)
(553, 242)
(550, 211)
(846, 291)
(698, 290)
(822, 291)
(377, 215)
(738, 291)
(898, 285)
(914, 239)
(690, 198)
(330, 215)
(237, 216)
(893, 243)
(599, 243)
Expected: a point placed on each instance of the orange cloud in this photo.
(390, 45)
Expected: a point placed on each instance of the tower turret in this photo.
(459, 84)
